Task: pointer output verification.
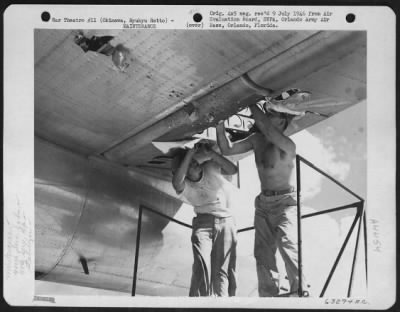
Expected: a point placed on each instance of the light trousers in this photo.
(275, 225)
(214, 250)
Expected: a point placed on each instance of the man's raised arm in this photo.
(271, 133)
(225, 164)
(178, 178)
(229, 148)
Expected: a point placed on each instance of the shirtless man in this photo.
(275, 219)
(214, 231)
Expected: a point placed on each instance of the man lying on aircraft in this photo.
(214, 231)
(275, 219)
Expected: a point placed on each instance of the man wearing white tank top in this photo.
(214, 231)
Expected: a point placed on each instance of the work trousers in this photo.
(214, 250)
(275, 225)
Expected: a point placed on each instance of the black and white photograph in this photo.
(185, 163)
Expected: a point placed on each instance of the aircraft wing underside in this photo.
(179, 83)
(107, 95)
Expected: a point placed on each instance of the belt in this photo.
(209, 215)
(274, 193)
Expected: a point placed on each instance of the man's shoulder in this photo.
(259, 139)
(210, 165)
(211, 170)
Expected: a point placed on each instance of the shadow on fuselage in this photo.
(85, 208)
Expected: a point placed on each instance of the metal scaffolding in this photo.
(360, 218)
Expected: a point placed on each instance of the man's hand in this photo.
(194, 149)
(205, 150)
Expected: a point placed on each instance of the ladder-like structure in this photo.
(360, 218)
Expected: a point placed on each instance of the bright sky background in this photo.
(337, 146)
